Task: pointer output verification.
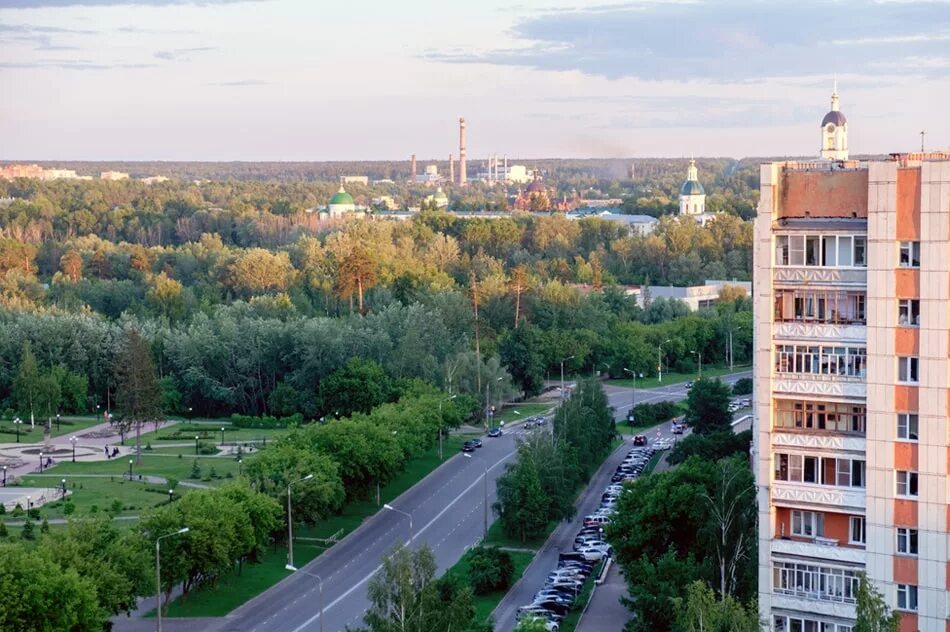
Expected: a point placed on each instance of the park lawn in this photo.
(92, 495)
(526, 409)
(67, 426)
(569, 623)
(486, 604)
(235, 589)
(206, 433)
(497, 537)
(678, 378)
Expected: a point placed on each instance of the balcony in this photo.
(800, 604)
(809, 495)
(819, 332)
(795, 275)
(836, 442)
(820, 385)
(819, 549)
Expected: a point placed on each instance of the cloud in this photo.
(55, 4)
(240, 83)
(722, 40)
(181, 54)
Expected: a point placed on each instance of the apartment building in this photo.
(852, 372)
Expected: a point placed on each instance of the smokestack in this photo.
(412, 169)
(463, 176)
(451, 168)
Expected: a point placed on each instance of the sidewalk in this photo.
(605, 612)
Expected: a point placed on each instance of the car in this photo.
(477, 442)
(561, 609)
(540, 421)
(468, 446)
(677, 429)
(495, 432)
(595, 519)
(529, 423)
(640, 440)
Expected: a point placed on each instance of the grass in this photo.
(486, 604)
(497, 537)
(509, 415)
(652, 463)
(207, 433)
(235, 589)
(678, 378)
(569, 623)
(67, 426)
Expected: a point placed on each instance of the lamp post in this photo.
(290, 525)
(593, 372)
(64, 488)
(699, 354)
(222, 436)
(442, 424)
(57, 422)
(406, 514)
(562, 375)
(171, 496)
(633, 392)
(158, 575)
(485, 489)
(659, 361)
(319, 579)
(196, 445)
(17, 422)
(73, 441)
(29, 503)
(97, 412)
(190, 415)
(489, 419)
(41, 461)
(4, 475)
(240, 467)
(130, 469)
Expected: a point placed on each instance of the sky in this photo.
(305, 80)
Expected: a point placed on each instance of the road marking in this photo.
(365, 579)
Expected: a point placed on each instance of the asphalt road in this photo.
(447, 509)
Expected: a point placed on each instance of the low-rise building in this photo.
(114, 175)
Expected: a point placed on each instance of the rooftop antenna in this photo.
(922, 134)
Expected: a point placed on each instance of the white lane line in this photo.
(365, 579)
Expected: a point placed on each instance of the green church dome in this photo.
(692, 187)
(341, 197)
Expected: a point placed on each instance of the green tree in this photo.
(700, 611)
(873, 615)
(360, 386)
(28, 531)
(47, 597)
(405, 596)
(285, 463)
(707, 407)
(356, 272)
(27, 384)
(522, 505)
(711, 447)
(520, 351)
(489, 569)
(138, 395)
(73, 389)
(743, 386)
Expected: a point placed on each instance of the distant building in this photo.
(695, 297)
(439, 197)
(385, 201)
(342, 205)
(364, 180)
(693, 196)
(430, 177)
(21, 171)
(834, 131)
(113, 175)
(640, 224)
(154, 179)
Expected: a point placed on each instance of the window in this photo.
(906, 541)
(827, 251)
(906, 483)
(907, 426)
(807, 524)
(829, 416)
(785, 623)
(908, 370)
(860, 251)
(908, 312)
(837, 472)
(906, 597)
(819, 306)
(850, 362)
(909, 254)
(815, 582)
(856, 533)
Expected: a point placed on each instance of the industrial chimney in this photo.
(412, 169)
(463, 176)
(452, 168)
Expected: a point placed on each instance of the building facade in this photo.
(852, 340)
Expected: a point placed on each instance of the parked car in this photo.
(477, 443)
(495, 432)
(468, 446)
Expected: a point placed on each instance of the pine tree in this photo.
(138, 395)
(27, 533)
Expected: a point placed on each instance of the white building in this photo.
(834, 131)
(114, 175)
(695, 296)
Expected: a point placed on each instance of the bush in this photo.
(652, 414)
(742, 386)
(266, 422)
(195, 470)
(490, 569)
(172, 483)
(3, 509)
(207, 448)
(116, 507)
(27, 533)
(44, 526)
(69, 508)
(3, 529)
(712, 446)
(18, 510)
(34, 514)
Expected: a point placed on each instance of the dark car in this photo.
(468, 446)
(494, 432)
(529, 423)
(477, 443)
(540, 421)
(640, 440)
(688, 385)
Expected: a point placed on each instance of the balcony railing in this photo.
(809, 494)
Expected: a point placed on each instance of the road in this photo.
(447, 514)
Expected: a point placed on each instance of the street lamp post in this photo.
(64, 488)
(196, 445)
(17, 422)
(4, 475)
(171, 496)
(659, 361)
(562, 375)
(41, 461)
(290, 525)
(57, 422)
(222, 436)
(130, 469)
(240, 467)
(731, 356)
(406, 514)
(699, 354)
(158, 575)
(73, 441)
(442, 424)
(485, 489)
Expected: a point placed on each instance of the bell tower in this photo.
(834, 131)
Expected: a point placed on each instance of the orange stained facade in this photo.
(892, 471)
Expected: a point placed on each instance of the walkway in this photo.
(605, 612)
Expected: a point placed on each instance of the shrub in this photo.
(172, 483)
(27, 533)
(44, 526)
(116, 507)
(213, 473)
(34, 514)
(742, 386)
(490, 569)
(247, 421)
(69, 508)
(3, 509)
(195, 470)
(18, 510)
(3, 529)
(652, 414)
(207, 448)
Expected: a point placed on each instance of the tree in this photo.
(743, 386)
(356, 272)
(519, 285)
(702, 612)
(711, 447)
(27, 383)
(489, 569)
(873, 615)
(71, 265)
(707, 407)
(520, 351)
(360, 386)
(532, 624)
(138, 394)
(405, 597)
(732, 513)
(522, 505)
(285, 463)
